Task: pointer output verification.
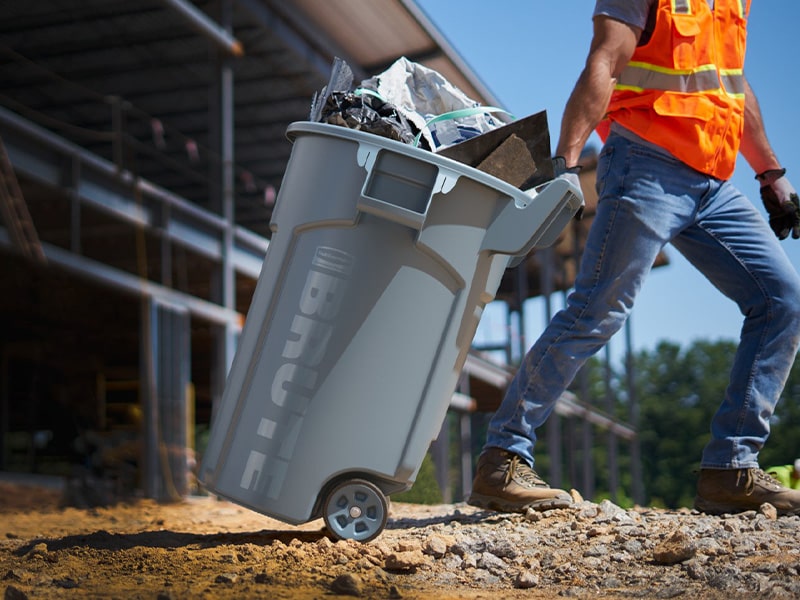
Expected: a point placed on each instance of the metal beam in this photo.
(462, 402)
(276, 23)
(132, 284)
(567, 405)
(487, 371)
(203, 24)
(39, 154)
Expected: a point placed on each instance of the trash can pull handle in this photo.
(552, 205)
(409, 209)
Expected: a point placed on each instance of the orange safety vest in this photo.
(684, 89)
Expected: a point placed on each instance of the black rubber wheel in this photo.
(356, 509)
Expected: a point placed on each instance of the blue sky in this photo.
(529, 53)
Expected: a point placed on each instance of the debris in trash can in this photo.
(367, 113)
(424, 96)
(408, 102)
(341, 80)
(339, 104)
(412, 103)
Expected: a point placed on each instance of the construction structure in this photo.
(142, 151)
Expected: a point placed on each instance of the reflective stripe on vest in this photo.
(733, 80)
(681, 7)
(684, 7)
(640, 76)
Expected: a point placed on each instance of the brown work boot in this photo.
(738, 490)
(504, 482)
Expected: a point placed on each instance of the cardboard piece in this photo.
(510, 161)
(532, 130)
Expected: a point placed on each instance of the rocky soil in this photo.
(206, 548)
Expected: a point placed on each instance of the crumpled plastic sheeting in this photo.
(338, 104)
(341, 80)
(421, 93)
(367, 113)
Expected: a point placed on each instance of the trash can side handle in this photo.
(393, 204)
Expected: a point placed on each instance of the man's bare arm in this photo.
(755, 146)
(613, 44)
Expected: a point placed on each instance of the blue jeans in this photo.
(646, 200)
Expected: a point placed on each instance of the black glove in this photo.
(562, 171)
(781, 202)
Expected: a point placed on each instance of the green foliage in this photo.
(425, 489)
(678, 393)
(678, 390)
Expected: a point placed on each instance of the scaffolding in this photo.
(159, 230)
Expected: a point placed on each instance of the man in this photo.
(664, 85)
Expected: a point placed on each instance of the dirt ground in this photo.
(203, 547)
(198, 548)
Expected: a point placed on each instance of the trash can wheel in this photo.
(356, 509)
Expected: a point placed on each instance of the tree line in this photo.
(678, 391)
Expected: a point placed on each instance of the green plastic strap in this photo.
(457, 114)
(368, 92)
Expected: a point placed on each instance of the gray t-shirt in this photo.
(632, 12)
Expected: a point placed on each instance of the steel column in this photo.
(637, 486)
(226, 336)
(613, 462)
(165, 373)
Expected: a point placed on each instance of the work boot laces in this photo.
(519, 469)
(758, 476)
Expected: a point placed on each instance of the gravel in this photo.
(600, 549)
(208, 548)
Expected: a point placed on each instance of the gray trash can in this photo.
(382, 259)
